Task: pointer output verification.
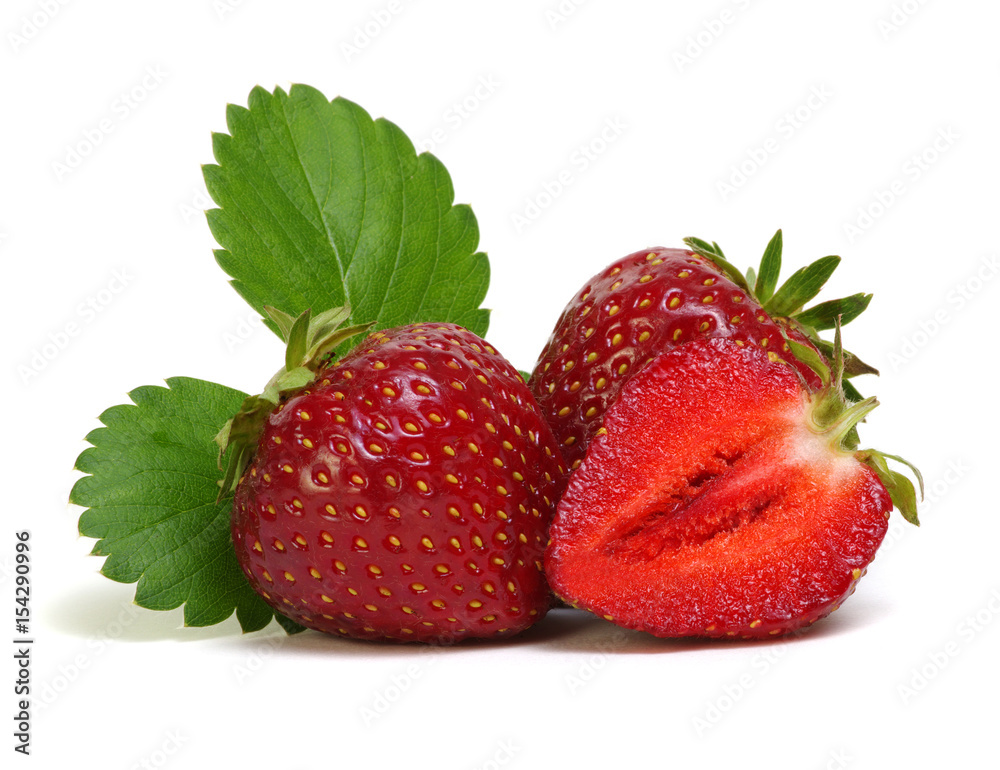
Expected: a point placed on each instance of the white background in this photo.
(826, 107)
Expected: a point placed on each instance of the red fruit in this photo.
(722, 498)
(404, 494)
(656, 299)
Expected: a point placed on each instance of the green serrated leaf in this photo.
(150, 495)
(321, 206)
(802, 287)
(824, 315)
(770, 269)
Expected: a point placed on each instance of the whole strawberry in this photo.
(657, 299)
(403, 493)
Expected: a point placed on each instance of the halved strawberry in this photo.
(656, 299)
(723, 498)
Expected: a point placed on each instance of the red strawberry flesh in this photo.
(714, 505)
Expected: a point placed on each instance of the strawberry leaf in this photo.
(151, 500)
(320, 206)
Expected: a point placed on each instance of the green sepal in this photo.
(713, 253)
(853, 366)
(803, 286)
(823, 316)
(770, 269)
(810, 358)
(900, 488)
(297, 342)
(310, 342)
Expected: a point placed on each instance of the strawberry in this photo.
(401, 493)
(724, 497)
(656, 299)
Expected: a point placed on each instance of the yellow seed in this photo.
(601, 382)
(420, 365)
(426, 542)
(409, 427)
(267, 576)
(327, 537)
(330, 509)
(340, 566)
(289, 577)
(388, 391)
(645, 303)
(613, 309)
(326, 598)
(422, 486)
(300, 540)
(375, 449)
(279, 545)
(451, 479)
(475, 604)
(477, 541)
(501, 490)
(617, 339)
(374, 570)
(441, 569)
(305, 415)
(394, 541)
(646, 279)
(287, 468)
(674, 302)
(435, 417)
(315, 573)
(449, 451)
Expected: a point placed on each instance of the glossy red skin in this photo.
(684, 297)
(398, 413)
(710, 509)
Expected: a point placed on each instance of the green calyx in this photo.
(786, 304)
(836, 416)
(310, 342)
